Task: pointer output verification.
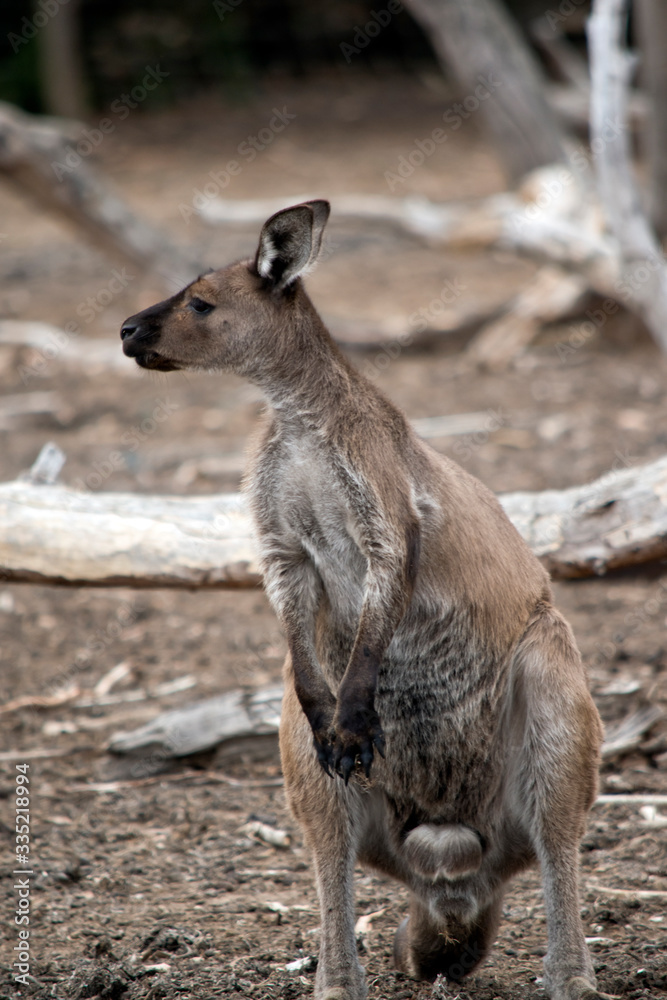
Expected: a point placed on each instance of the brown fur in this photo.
(419, 626)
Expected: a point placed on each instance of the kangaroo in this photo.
(436, 724)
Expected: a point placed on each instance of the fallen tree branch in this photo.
(180, 732)
(51, 534)
(550, 296)
(607, 890)
(618, 520)
(36, 156)
(631, 800)
(39, 753)
(62, 697)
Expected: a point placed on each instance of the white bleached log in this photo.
(51, 534)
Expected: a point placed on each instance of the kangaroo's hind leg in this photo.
(557, 785)
(325, 809)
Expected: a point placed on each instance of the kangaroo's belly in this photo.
(441, 697)
(443, 749)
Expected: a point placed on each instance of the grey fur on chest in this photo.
(309, 515)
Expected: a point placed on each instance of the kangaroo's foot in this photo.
(577, 988)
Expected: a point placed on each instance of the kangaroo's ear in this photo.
(290, 242)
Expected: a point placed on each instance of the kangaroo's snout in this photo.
(141, 336)
(128, 329)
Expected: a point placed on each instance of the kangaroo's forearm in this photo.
(389, 590)
(295, 591)
(373, 637)
(357, 725)
(311, 688)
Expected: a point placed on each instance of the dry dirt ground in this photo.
(151, 890)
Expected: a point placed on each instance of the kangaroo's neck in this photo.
(306, 378)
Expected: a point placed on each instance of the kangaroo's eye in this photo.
(201, 307)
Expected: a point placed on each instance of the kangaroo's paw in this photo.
(356, 736)
(321, 724)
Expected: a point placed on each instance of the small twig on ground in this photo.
(631, 800)
(111, 678)
(44, 752)
(62, 697)
(269, 834)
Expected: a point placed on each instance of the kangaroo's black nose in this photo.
(127, 330)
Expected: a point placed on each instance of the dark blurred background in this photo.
(209, 46)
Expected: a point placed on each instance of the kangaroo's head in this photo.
(239, 317)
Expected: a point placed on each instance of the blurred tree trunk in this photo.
(479, 42)
(63, 78)
(652, 23)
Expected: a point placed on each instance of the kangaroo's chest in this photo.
(314, 513)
